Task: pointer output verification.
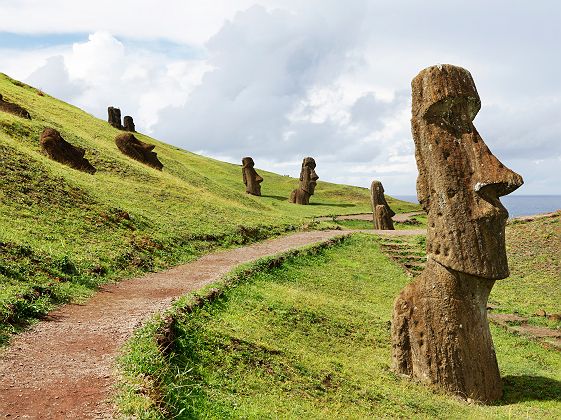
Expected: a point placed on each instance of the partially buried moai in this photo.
(55, 147)
(308, 181)
(128, 123)
(251, 178)
(114, 117)
(129, 145)
(381, 211)
(440, 333)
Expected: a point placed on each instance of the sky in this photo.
(282, 80)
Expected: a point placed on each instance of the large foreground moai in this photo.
(308, 181)
(381, 211)
(114, 117)
(251, 178)
(440, 333)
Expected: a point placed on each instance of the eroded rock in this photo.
(129, 145)
(251, 178)
(58, 149)
(114, 117)
(381, 211)
(440, 332)
(128, 123)
(14, 109)
(308, 181)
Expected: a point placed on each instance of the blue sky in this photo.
(279, 80)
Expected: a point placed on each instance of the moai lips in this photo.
(308, 182)
(381, 211)
(440, 332)
(251, 178)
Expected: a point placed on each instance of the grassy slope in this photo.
(311, 340)
(62, 231)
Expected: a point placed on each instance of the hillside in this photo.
(63, 232)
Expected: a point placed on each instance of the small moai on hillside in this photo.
(440, 333)
(114, 117)
(128, 123)
(251, 178)
(55, 147)
(13, 109)
(308, 181)
(381, 211)
(129, 145)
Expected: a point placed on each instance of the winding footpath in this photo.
(63, 367)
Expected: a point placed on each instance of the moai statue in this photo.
(129, 145)
(114, 117)
(128, 123)
(13, 109)
(251, 179)
(381, 211)
(55, 147)
(440, 333)
(308, 181)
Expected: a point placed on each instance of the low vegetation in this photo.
(309, 338)
(63, 232)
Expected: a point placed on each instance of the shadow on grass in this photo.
(529, 388)
(276, 197)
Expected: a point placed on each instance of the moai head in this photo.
(251, 178)
(114, 117)
(308, 176)
(55, 147)
(129, 145)
(377, 196)
(460, 180)
(128, 123)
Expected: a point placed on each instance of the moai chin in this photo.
(308, 181)
(114, 117)
(440, 332)
(251, 178)
(381, 211)
(128, 123)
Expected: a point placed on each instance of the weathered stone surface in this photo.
(114, 117)
(58, 149)
(308, 181)
(381, 211)
(14, 109)
(251, 178)
(440, 333)
(129, 145)
(128, 123)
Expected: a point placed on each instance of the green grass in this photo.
(63, 232)
(310, 339)
(534, 250)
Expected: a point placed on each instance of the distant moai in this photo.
(308, 181)
(14, 109)
(251, 178)
(114, 117)
(129, 145)
(440, 333)
(381, 211)
(128, 123)
(55, 147)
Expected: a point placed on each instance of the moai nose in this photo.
(497, 178)
(314, 176)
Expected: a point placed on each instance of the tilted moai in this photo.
(114, 117)
(440, 333)
(55, 147)
(251, 179)
(129, 145)
(381, 211)
(308, 181)
(14, 109)
(128, 123)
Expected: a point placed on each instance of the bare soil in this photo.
(400, 217)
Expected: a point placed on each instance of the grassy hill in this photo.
(310, 339)
(62, 232)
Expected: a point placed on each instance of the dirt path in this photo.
(62, 368)
(400, 217)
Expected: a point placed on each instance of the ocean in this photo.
(517, 205)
